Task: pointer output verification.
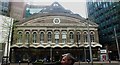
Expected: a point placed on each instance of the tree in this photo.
(6, 30)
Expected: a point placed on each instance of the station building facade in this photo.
(51, 34)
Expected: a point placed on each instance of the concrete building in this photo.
(106, 15)
(52, 32)
(17, 9)
(4, 7)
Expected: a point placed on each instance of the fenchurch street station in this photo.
(52, 32)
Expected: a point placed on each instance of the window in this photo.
(55, 5)
(34, 37)
(27, 35)
(92, 37)
(64, 36)
(41, 37)
(19, 37)
(71, 35)
(85, 37)
(78, 37)
(56, 37)
(49, 36)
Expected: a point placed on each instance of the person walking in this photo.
(67, 59)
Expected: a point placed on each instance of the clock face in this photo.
(56, 20)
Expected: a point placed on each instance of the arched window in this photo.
(71, 37)
(64, 37)
(19, 37)
(56, 37)
(27, 35)
(49, 36)
(34, 37)
(42, 37)
(92, 37)
(85, 37)
(78, 37)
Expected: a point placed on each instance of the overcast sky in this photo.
(77, 6)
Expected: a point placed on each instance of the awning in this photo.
(19, 46)
(93, 44)
(53, 45)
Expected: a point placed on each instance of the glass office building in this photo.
(4, 7)
(33, 9)
(106, 15)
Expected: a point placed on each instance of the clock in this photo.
(56, 20)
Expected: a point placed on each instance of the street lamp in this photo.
(78, 43)
(117, 43)
(89, 42)
(50, 53)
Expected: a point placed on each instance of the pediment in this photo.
(51, 21)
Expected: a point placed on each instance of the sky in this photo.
(77, 7)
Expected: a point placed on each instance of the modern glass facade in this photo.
(106, 15)
(32, 9)
(4, 7)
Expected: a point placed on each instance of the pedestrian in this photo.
(109, 60)
(88, 60)
(67, 59)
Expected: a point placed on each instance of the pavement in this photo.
(98, 63)
(81, 63)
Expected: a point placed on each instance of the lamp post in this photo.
(8, 46)
(51, 53)
(117, 43)
(89, 42)
(85, 54)
(78, 43)
(8, 41)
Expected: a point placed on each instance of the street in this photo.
(77, 63)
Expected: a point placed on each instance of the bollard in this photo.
(109, 60)
(28, 62)
(19, 62)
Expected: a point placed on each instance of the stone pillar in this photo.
(31, 41)
(96, 36)
(15, 37)
(60, 37)
(23, 36)
(53, 37)
(75, 39)
(45, 37)
(82, 37)
(38, 37)
(68, 40)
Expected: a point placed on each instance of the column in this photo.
(31, 42)
(60, 41)
(75, 39)
(53, 37)
(45, 37)
(68, 40)
(96, 36)
(38, 36)
(23, 37)
(82, 37)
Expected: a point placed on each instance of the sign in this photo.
(103, 51)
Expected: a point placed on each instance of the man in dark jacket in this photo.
(67, 59)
